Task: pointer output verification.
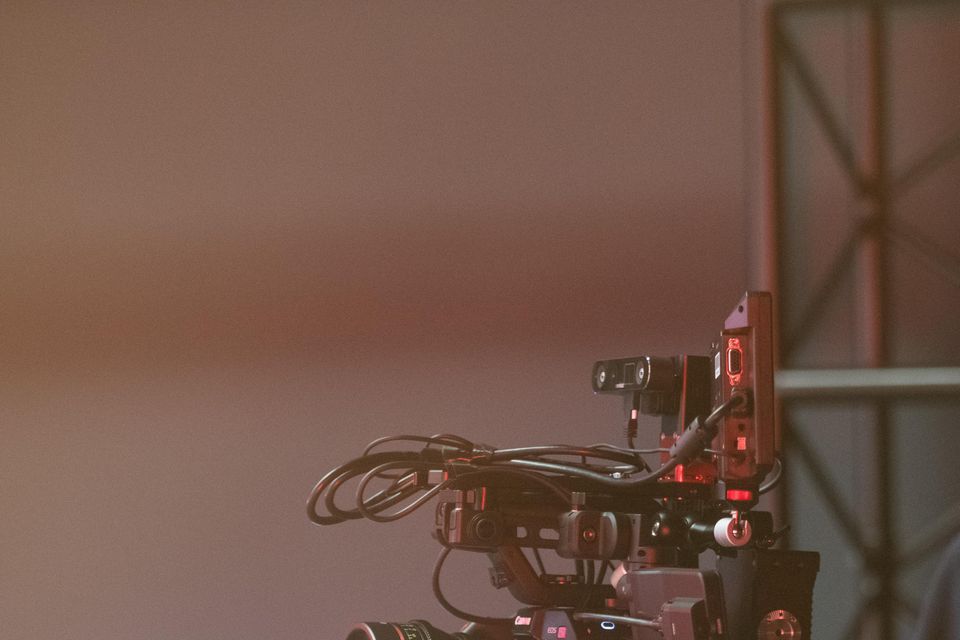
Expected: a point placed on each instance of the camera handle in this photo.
(511, 569)
(477, 631)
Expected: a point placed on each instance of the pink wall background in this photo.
(241, 240)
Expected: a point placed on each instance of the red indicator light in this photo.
(739, 495)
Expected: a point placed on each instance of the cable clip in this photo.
(693, 440)
(482, 453)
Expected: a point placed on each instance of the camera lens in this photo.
(643, 372)
(602, 378)
(413, 630)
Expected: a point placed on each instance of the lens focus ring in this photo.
(413, 630)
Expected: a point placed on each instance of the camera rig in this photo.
(640, 537)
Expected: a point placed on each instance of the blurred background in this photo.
(241, 240)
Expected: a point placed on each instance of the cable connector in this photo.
(693, 440)
(457, 461)
(482, 452)
(700, 433)
(430, 478)
(631, 428)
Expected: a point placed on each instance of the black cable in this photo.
(439, 439)
(632, 425)
(347, 470)
(708, 425)
(536, 556)
(380, 504)
(585, 579)
(560, 450)
(463, 615)
(602, 574)
(443, 440)
(633, 622)
(371, 514)
(599, 478)
(772, 483)
(724, 408)
(329, 502)
(465, 463)
(628, 450)
(498, 469)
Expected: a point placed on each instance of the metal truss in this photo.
(867, 248)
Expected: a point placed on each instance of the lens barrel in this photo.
(413, 630)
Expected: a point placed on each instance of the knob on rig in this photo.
(779, 625)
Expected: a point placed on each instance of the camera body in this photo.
(661, 528)
(680, 388)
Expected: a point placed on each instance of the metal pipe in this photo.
(822, 384)
(876, 326)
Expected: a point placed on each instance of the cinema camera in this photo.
(675, 553)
